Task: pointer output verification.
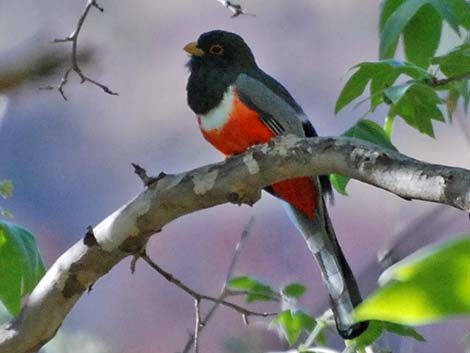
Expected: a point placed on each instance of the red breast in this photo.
(232, 127)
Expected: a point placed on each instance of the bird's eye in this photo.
(216, 49)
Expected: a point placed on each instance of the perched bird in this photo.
(238, 105)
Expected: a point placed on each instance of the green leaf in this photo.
(396, 23)
(294, 290)
(369, 336)
(354, 87)
(422, 34)
(292, 323)
(456, 62)
(462, 11)
(448, 12)
(418, 107)
(256, 290)
(395, 93)
(382, 75)
(6, 188)
(402, 330)
(366, 130)
(420, 21)
(380, 82)
(376, 329)
(339, 182)
(21, 265)
(430, 285)
(388, 7)
(370, 131)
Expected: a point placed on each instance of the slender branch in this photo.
(432, 81)
(238, 249)
(197, 324)
(74, 66)
(198, 296)
(436, 82)
(237, 180)
(322, 322)
(224, 292)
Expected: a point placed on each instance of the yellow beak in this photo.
(193, 49)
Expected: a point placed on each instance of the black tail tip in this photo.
(354, 330)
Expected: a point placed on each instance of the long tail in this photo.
(337, 275)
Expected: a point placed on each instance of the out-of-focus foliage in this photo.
(293, 290)
(428, 286)
(377, 328)
(21, 265)
(254, 289)
(292, 323)
(6, 190)
(38, 66)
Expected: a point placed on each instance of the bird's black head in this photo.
(217, 58)
(220, 49)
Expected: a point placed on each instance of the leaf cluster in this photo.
(419, 88)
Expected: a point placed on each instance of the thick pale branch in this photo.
(237, 180)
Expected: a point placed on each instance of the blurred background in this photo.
(70, 161)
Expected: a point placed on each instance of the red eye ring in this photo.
(216, 49)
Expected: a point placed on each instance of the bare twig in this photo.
(436, 82)
(236, 9)
(74, 66)
(170, 278)
(63, 82)
(197, 325)
(146, 179)
(238, 249)
(224, 292)
(322, 322)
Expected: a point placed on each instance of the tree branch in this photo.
(224, 293)
(436, 82)
(74, 66)
(198, 296)
(238, 180)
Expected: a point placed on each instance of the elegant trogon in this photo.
(238, 105)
